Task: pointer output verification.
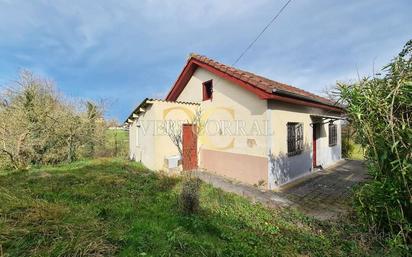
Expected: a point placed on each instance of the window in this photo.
(295, 138)
(207, 90)
(333, 134)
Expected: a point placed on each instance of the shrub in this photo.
(39, 126)
(189, 196)
(380, 110)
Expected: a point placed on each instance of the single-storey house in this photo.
(236, 124)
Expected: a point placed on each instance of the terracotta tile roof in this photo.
(260, 82)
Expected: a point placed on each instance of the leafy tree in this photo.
(94, 114)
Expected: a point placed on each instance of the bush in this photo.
(380, 110)
(189, 196)
(39, 126)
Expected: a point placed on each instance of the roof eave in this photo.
(150, 101)
(298, 101)
(309, 100)
(191, 67)
(136, 110)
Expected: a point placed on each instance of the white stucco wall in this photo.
(149, 143)
(328, 155)
(235, 142)
(283, 168)
(143, 143)
(232, 103)
(169, 111)
(132, 142)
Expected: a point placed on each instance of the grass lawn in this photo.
(111, 207)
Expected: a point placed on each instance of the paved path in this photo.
(322, 195)
(326, 195)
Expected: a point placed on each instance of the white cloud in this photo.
(116, 45)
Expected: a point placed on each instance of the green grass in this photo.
(116, 144)
(357, 152)
(121, 135)
(110, 207)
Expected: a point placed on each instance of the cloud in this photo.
(128, 50)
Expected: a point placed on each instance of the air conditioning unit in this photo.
(172, 161)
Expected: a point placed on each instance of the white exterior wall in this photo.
(245, 105)
(284, 168)
(149, 143)
(328, 155)
(142, 143)
(132, 142)
(169, 111)
(240, 155)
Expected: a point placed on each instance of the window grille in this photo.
(295, 138)
(333, 134)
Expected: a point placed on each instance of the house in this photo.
(250, 128)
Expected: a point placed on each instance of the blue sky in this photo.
(124, 51)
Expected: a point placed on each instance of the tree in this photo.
(38, 126)
(94, 132)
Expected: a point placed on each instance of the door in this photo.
(189, 143)
(314, 137)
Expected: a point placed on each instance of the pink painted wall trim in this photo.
(241, 167)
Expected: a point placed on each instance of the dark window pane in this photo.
(207, 90)
(294, 138)
(333, 134)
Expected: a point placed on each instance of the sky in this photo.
(125, 51)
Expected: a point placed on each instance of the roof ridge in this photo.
(255, 80)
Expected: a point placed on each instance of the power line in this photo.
(264, 29)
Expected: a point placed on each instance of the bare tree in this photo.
(174, 129)
(332, 93)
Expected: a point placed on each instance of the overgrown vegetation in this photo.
(380, 110)
(348, 145)
(116, 144)
(116, 208)
(39, 126)
(350, 149)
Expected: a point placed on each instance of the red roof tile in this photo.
(260, 82)
(263, 87)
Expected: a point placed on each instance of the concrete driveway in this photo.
(323, 195)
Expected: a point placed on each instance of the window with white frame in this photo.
(295, 138)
